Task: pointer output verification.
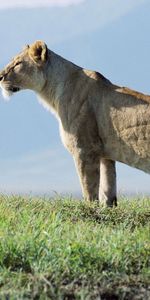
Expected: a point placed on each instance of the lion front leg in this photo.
(107, 194)
(88, 168)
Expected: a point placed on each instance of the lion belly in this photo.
(130, 136)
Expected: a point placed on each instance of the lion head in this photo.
(26, 70)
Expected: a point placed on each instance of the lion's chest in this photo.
(68, 139)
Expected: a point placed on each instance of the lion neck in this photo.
(58, 73)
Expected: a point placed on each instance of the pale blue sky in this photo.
(112, 37)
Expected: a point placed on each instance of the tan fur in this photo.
(100, 123)
(140, 96)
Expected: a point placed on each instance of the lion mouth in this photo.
(14, 89)
(8, 91)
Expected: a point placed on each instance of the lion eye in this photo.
(17, 64)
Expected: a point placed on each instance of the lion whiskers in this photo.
(6, 94)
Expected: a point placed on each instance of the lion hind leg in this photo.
(107, 193)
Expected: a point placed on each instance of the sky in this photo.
(109, 36)
(37, 3)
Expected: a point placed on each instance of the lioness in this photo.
(100, 123)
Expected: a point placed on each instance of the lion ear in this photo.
(38, 52)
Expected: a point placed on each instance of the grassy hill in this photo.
(68, 249)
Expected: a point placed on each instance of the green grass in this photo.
(68, 249)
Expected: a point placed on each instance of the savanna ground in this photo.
(68, 249)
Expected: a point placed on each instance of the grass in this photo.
(68, 249)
